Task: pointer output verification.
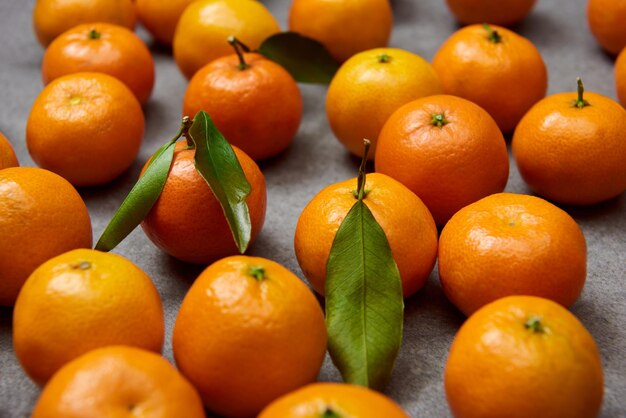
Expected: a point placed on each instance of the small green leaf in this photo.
(217, 163)
(307, 60)
(140, 200)
(364, 303)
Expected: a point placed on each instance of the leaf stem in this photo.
(360, 188)
(494, 36)
(239, 48)
(580, 102)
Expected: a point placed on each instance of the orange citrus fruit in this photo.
(447, 150)
(204, 27)
(81, 300)
(188, 222)
(86, 127)
(511, 244)
(345, 27)
(118, 381)
(41, 216)
(620, 77)
(406, 221)
(495, 68)
(7, 154)
(257, 105)
(606, 20)
(369, 87)
(491, 11)
(104, 48)
(53, 17)
(570, 148)
(160, 17)
(520, 357)
(333, 400)
(248, 331)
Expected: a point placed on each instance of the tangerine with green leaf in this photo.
(333, 400)
(82, 300)
(253, 101)
(7, 153)
(123, 379)
(495, 68)
(447, 150)
(53, 17)
(187, 221)
(41, 216)
(511, 244)
(205, 25)
(405, 220)
(344, 27)
(248, 331)
(369, 87)
(104, 48)
(527, 357)
(86, 127)
(570, 148)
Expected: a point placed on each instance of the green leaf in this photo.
(217, 163)
(140, 200)
(364, 303)
(307, 60)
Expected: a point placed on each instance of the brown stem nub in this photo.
(494, 36)
(580, 102)
(239, 48)
(93, 34)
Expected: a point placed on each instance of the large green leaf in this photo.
(217, 163)
(307, 60)
(140, 200)
(364, 304)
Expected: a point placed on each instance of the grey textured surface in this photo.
(557, 27)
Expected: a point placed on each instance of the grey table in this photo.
(557, 27)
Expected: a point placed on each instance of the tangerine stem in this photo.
(360, 188)
(439, 120)
(534, 324)
(257, 272)
(384, 57)
(83, 265)
(239, 48)
(494, 36)
(580, 102)
(93, 34)
(329, 413)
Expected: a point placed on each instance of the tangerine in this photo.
(407, 223)
(248, 331)
(447, 150)
(188, 222)
(7, 154)
(344, 27)
(369, 87)
(492, 11)
(41, 216)
(253, 101)
(511, 244)
(205, 25)
(606, 21)
(87, 127)
(333, 400)
(53, 17)
(495, 68)
(527, 357)
(160, 17)
(620, 77)
(570, 148)
(104, 48)
(121, 381)
(81, 300)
